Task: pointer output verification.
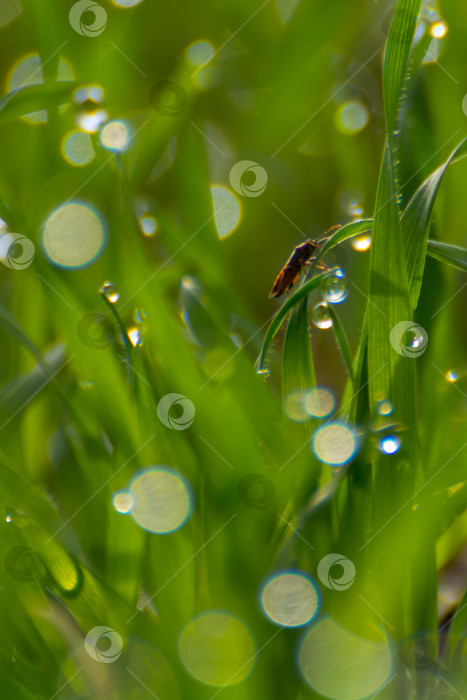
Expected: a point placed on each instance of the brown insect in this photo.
(302, 255)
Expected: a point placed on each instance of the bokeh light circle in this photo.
(227, 211)
(77, 148)
(74, 236)
(199, 52)
(334, 444)
(162, 500)
(320, 402)
(115, 136)
(352, 117)
(217, 648)
(340, 665)
(290, 599)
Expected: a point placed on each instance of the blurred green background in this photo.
(294, 87)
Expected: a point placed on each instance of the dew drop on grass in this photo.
(361, 243)
(320, 315)
(148, 225)
(384, 407)
(135, 337)
(264, 372)
(389, 444)
(110, 291)
(334, 287)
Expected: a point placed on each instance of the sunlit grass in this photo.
(196, 503)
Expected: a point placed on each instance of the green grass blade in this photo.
(396, 58)
(297, 363)
(342, 341)
(33, 98)
(278, 319)
(416, 221)
(354, 228)
(450, 254)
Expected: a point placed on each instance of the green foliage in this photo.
(82, 401)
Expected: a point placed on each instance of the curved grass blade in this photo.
(416, 221)
(350, 230)
(342, 341)
(450, 254)
(278, 319)
(34, 98)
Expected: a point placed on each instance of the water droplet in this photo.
(334, 287)
(320, 315)
(148, 225)
(17, 518)
(452, 376)
(134, 336)
(139, 316)
(264, 372)
(361, 243)
(389, 444)
(91, 121)
(110, 291)
(438, 30)
(384, 407)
